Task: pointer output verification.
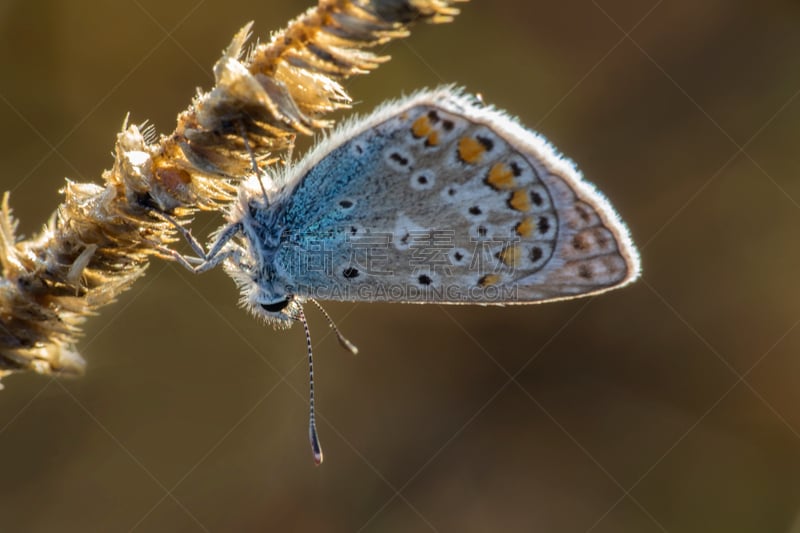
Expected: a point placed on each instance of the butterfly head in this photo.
(263, 294)
(281, 313)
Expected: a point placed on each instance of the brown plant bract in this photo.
(100, 239)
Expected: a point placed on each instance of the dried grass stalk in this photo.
(100, 239)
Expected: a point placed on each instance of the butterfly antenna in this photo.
(256, 168)
(316, 449)
(346, 344)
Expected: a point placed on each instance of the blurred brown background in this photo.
(671, 405)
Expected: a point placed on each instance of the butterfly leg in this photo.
(204, 260)
(187, 234)
(253, 160)
(219, 252)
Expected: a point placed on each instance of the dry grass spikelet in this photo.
(101, 238)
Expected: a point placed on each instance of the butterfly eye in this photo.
(275, 307)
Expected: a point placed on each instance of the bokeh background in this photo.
(671, 405)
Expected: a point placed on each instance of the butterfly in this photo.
(432, 198)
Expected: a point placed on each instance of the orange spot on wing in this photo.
(488, 279)
(520, 200)
(500, 177)
(511, 255)
(525, 228)
(470, 150)
(421, 127)
(433, 138)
